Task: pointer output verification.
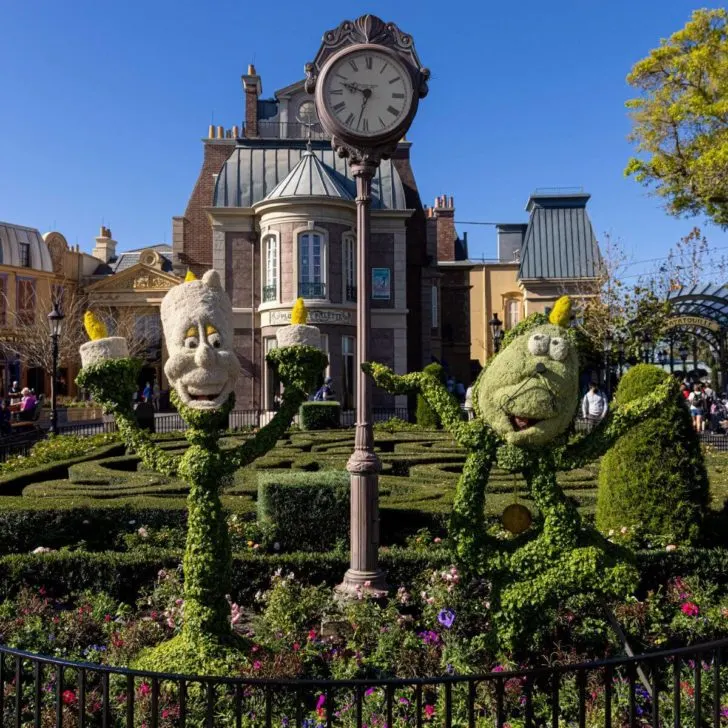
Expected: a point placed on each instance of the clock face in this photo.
(368, 92)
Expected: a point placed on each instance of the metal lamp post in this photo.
(366, 112)
(607, 351)
(647, 348)
(683, 351)
(620, 355)
(495, 329)
(55, 319)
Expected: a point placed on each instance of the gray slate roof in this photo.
(310, 178)
(129, 258)
(11, 236)
(559, 241)
(252, 172)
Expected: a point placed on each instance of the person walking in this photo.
(325, 392)
(594, 406)
(147, 392)
(696, 400)
(468, 406)
(156, 394)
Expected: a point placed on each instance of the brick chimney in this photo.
(253, 89)
(443, 213)
(105, 246)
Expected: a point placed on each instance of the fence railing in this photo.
(685, 686)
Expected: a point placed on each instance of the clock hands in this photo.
(367, 93)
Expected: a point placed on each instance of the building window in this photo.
(348, 362)
(349, 259)
(270, 278)
(513, 312)
(272, 380)
(24, 249)
(435, 308)
(25, 301)
(148, 335)
(311, 266)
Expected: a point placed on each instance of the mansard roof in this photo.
(256, 168)
(13, 236)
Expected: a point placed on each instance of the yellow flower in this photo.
(561, 313)
(95, 327)
(299, 314)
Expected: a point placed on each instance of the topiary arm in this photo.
(615, 424)
(298, 367)
(112, 383)
(468, 434)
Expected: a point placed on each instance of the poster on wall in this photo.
(381, 284)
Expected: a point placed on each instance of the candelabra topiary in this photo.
(525, 400)
(202, 368)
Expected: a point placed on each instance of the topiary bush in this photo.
(654, 478)
(426, 417)
(304, 511)
(320, 415)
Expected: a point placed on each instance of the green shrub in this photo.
(654, 478)
(320, 415)
(304, 511)
(425, 415)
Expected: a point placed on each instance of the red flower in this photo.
(296, 647)
(691, 609)
(68, 697)
(144, 689)
(107, 618)
(312, 634)
(429, 711)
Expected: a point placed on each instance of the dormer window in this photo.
(24, 249)
(311, 265)
(270, 270)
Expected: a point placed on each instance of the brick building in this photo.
(273, 211)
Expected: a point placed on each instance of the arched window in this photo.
(349, 259)
(270, 269)
(311, 266)
(513, 312)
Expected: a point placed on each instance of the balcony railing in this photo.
(290, 130)
(351, 293)
(269, 293)
(306, 289)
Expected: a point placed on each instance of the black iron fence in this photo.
(685, 686)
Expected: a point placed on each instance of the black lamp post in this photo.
(620, 354)
(495, 329)
(607, 351)
(662, 357)
(55, 319)
(683, 351)
(647, 348)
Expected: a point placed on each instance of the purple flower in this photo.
(446, 618)
(369, 691)
(321, 702)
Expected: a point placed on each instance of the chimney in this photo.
(444, 214)
(105, 247)
(253, 89)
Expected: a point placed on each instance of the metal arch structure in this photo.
(701, 312)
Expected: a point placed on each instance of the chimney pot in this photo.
(211, 132)
(220, 132)
(236, 131)
(251, 69)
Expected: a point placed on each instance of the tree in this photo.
(680, 119)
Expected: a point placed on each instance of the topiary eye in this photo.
(192, 339)
(538, 344)
(559, 349)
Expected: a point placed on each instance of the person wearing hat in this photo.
(325, 392)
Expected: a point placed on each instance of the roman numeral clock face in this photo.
(368, 92)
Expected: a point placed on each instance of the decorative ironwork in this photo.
(52, 691)
(307, 289)
(269, 293)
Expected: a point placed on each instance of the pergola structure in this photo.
(700, 313)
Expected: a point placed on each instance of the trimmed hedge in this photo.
(124, 575)
(304, 511)
(654, 476)
(425, 416)
(320, 415)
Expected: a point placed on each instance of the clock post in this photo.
(367, 81)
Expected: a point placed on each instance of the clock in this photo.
(365, 94)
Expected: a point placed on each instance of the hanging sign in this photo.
(700, 321)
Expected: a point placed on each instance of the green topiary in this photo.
(426, 416)
(304, 511)
(654, 477)
(320, 415)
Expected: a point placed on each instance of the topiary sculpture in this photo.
(202, 368)
(654, 477)
(525, 400)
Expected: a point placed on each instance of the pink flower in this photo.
(438, 540)
(429, 711)
(144, 689)
(257, 665)
(68, 697)
(690, 609)
(670, 547)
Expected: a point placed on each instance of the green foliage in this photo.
(425, 416)
(304, 511)
(679, 119)
(654, 477)
(320, 415)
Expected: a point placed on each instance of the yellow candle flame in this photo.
(561, 313)
(190, 276)
(95, 327)
(299, 314)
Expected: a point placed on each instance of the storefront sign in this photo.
(316, 316)
(700, 321)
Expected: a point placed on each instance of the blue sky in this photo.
(104, 105)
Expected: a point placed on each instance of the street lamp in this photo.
(495, 329)
(646, 348)
(607, 351)
(620, 355)
(683, 351)
(55, 319)
(662, 357)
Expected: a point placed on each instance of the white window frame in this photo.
(325, 350)
(323, 266)
(509, 323)
(268, 238)
(348, 266)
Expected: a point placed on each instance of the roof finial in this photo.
(309, 128)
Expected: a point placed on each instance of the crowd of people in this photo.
(707, 408)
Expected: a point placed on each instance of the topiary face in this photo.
(528, 394)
